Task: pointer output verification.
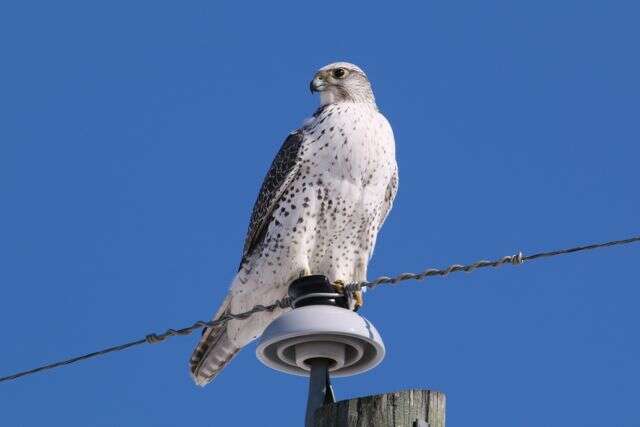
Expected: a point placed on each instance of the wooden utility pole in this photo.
(408, 408)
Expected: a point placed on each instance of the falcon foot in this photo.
(356, 296)
(339, 286)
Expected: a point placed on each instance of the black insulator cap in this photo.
(315, 290)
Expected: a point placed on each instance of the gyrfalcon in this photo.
(321, 205)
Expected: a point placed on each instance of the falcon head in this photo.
(342, 82)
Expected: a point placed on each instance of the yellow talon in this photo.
(339, 286)
(357, 295)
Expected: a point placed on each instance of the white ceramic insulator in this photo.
(333, 351)
(346, 338)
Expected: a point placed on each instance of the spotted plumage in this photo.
(319, 210)
(282, 171)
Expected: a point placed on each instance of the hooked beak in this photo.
(317, 84)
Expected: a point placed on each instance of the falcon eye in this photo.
(339, 73)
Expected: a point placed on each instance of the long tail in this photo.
(214, 351)
(220, 344)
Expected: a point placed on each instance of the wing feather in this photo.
(283, 168)
(390, 195)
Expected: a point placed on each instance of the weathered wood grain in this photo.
(400, 409)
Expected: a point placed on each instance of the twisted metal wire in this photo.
(283, 303)
(385, 280)
(155, 338)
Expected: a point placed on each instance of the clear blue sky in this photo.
(134, 137)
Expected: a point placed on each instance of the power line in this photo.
(516, 259)
(512, 259)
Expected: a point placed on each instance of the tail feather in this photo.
(214, 351)
(219, 344)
